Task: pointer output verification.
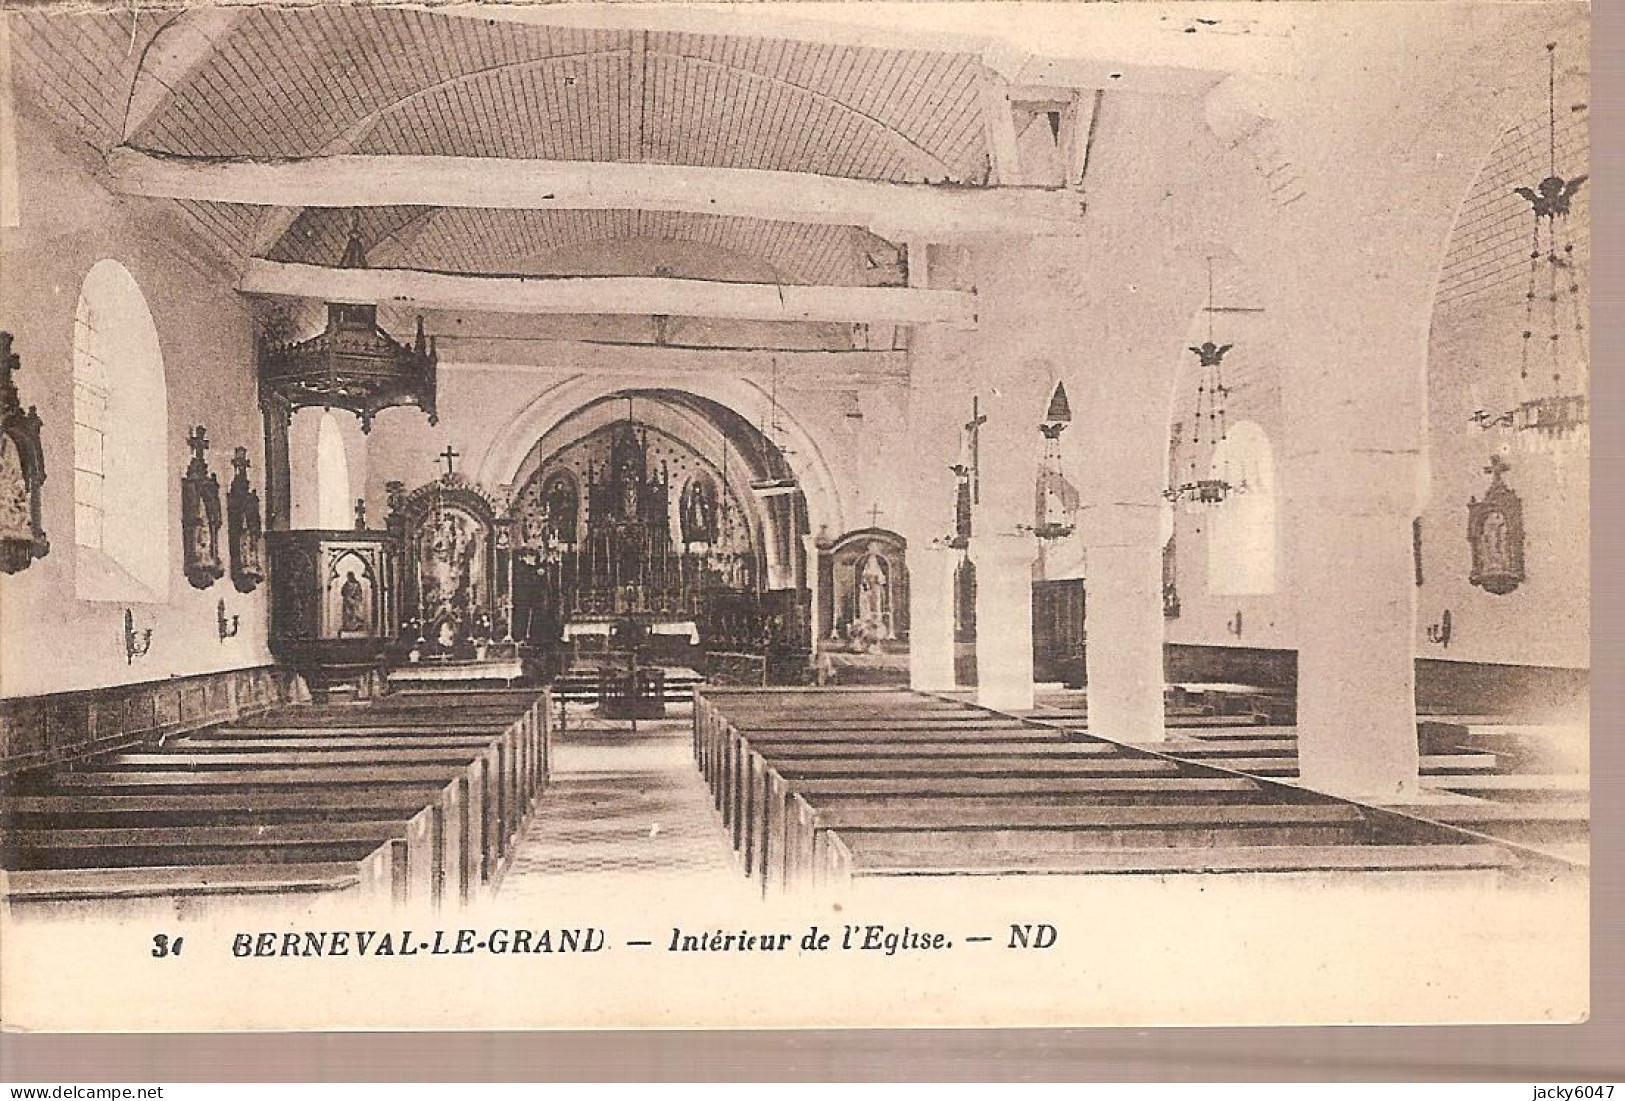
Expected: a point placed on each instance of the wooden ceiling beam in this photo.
(792, 370)
(891, 210)
(601, 295)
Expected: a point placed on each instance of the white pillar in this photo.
(1004, 620)
(1354, 591)
(816, 625)
(931, 616)
(1124, 622)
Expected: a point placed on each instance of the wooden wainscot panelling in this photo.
(43, 730)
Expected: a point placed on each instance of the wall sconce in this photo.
(136, 644)
(1439, 633)
(227, 628)
(1233, 624)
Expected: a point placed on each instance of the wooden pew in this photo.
(524, 718)
(408, 845)
(458, 798)
(451, 862)
(442, 800)
(521, 723)
(483, 763)
(162, 893)
(810, 798)
(860, 859)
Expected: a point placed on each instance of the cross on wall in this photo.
(449, 457)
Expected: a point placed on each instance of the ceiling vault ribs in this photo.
(639, 103)
(931, 163)
(171, 57)
(276, 222)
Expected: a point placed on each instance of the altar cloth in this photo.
(686, 629)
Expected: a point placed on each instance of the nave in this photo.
(446, 797)
(1099, 462)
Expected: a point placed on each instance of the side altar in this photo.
(456, 584)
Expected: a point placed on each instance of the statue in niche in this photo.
(22, 470)
(873, 625)
(200, 516)
(448, 548)
(698, 511)
(1495, 533)
(15, 514)
(245, 534)
(559, 505)
(352, 605)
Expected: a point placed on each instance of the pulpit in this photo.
(334, 602)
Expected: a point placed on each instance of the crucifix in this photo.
(874, 515)
(450, 457)
(361, 514)
(974, 428)
(198, 441)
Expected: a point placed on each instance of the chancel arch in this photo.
(502, 463)
(666, 505)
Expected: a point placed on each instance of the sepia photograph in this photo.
(791, 515)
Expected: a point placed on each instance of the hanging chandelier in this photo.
(775, 484)
(352, 364)
(1197, 492)
(1554, 413)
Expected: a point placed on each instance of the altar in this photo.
(472, 674)
(579, 629)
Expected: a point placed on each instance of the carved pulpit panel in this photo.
(200, 516)
(352, 588)
(22, 472)
(333, 596)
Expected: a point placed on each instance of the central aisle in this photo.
(625, 807)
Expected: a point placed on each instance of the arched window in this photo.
(1241, 546)
(334, 509)
(120, 443)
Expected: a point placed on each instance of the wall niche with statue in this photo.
(1495, 533)
(22, 471)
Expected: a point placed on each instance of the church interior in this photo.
(452, 451)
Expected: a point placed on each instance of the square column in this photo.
(931, 616)
(815, 623)
(1354, 592)
(1124, 654)
(1004, 620)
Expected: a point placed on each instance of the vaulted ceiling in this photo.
(276, 83)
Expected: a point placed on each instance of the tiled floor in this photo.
(623, 805)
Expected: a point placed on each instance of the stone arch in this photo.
(500, 464)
